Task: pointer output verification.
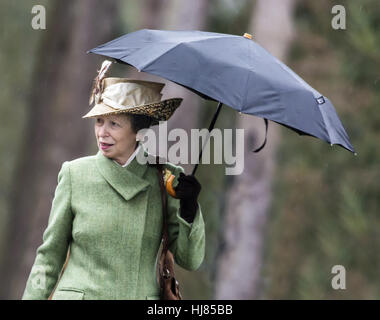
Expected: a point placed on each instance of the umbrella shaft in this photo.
(208, 135)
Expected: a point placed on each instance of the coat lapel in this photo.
(128, 181)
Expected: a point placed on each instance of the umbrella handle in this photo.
(212, 123)
(169, 186)
(169, 181)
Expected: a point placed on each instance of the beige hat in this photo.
(123, 95)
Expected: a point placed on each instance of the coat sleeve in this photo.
(186, 241)
(51, 254)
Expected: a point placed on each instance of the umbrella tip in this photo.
(247, 35)
(355, 153)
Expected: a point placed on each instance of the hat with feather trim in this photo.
(123, 95)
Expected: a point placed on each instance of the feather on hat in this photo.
(97, 82)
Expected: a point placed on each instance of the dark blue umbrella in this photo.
(233, 70)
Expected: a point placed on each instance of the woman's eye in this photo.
(113, 123)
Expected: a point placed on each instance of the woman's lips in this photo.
(105, 146)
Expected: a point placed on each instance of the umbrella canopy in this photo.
(235, 71)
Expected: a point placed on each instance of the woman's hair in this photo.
(139, 121)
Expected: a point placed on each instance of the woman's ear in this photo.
(141, 134)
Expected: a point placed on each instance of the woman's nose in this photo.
(103, 131)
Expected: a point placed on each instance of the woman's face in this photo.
(115, 137)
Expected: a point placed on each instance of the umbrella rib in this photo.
(246, 84)
(156, 58)
(324, 120)
(175, 46)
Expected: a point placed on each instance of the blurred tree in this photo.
(54, 130)
(16, 66)
(250, 194)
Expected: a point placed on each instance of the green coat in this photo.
(111, 217)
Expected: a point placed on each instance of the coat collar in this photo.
(128, 181)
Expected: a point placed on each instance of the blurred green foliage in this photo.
(327, 201)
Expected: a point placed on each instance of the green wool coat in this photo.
(111, 217)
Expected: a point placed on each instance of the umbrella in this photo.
(233, 70)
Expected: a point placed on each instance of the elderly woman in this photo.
(107, 207)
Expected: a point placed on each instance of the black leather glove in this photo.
(187, 191)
